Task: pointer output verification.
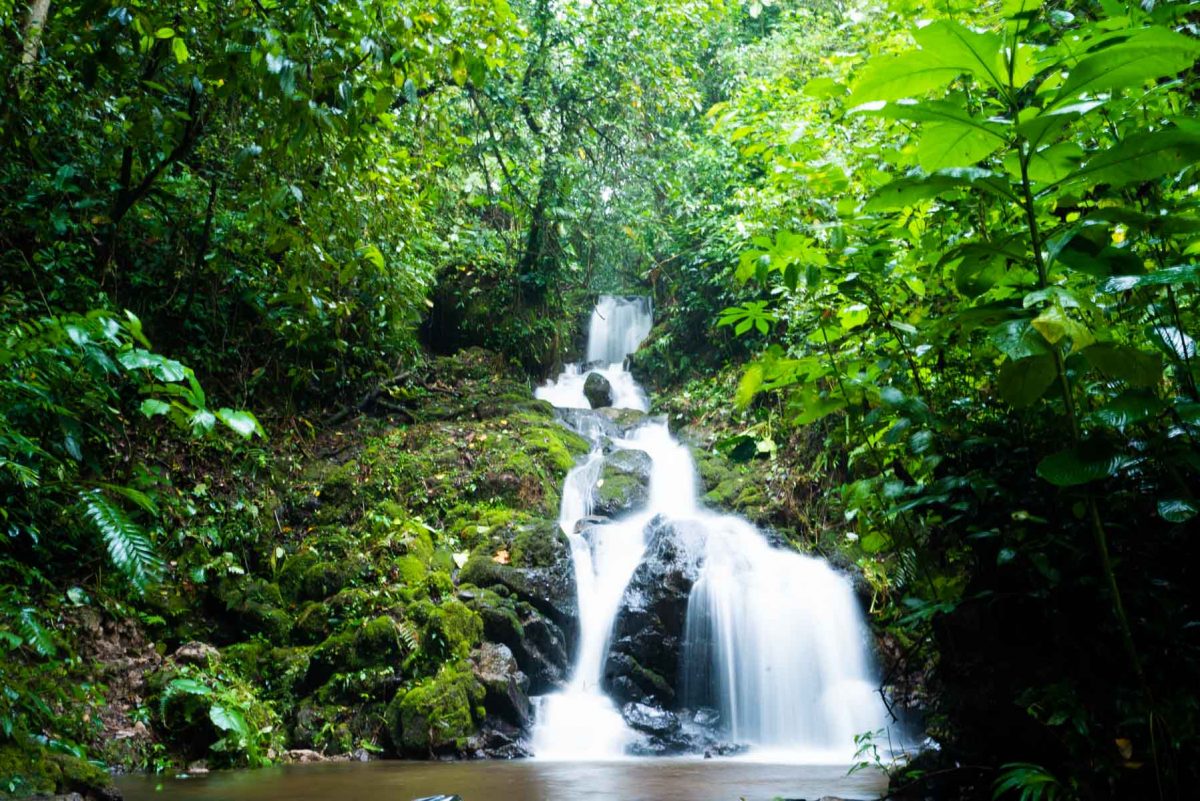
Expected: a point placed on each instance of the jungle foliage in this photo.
(967, 257)
(950, 248)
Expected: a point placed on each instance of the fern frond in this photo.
(128, 544)
(35, 635)
(409, 636)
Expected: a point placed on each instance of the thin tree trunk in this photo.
(31, 35)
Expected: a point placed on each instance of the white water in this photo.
(774, 640)
(617, 327)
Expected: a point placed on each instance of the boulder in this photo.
(624, 482)
(505, 685)
(196, 653)
(597, 390)
(643, 659)
(539, 646)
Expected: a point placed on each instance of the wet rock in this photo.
(706, 716)
(496, 740)
(663, 732)
(621, 422)
(650, 719)
(549, 588)
(643, 659)
(304, 756)
(624, 482)
(539, 646)
(505, 685)
(725, 749)
(196, 653)
(597, 390)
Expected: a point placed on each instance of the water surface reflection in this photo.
(528, 780)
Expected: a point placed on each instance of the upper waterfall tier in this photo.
(617, 327)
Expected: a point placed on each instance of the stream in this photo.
(519, 780)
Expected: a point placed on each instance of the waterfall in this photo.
(773, 640)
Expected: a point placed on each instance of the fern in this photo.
(1032, 782)
(128, 544)
(35, 635)
(409, 636)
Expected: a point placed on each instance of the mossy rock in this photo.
(541, 544)
(255, 606)
(323, 579)
(376, 643)
(624, 482)
(35, 771)
(483, 571)
(449, 630)
(411, 570)
(277, 670)
(437, 715)
(323, 727)
(291, 573)
(618, 493)
(313, 623)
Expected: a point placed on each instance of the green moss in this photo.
(443, 561)
(323, 579)
(312, 622)
(29, 771)
(411, 570)
(255, 606)
(291, 574)
(539, 545)
(448, 630)
(482, 571)
(376, 643)
(619, 491)
(436, 715)
(340, 484)
(438, 585)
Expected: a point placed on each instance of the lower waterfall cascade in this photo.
(774, 648)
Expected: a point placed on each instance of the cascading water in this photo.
(774, 640)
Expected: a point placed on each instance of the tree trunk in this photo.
(31, 34)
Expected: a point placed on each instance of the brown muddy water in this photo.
(527, 780)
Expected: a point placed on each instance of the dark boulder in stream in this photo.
(643, 659)
(598, 391)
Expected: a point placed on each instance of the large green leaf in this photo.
(932, 111)
(1168, 276)
(241, 421)
(1145, 55)
(1023, 381)
(1135, 367)
(1082, 464)
(1128, 408)
(1141, 157)
(1017, 339)
(979, 53)
(1178, 510)
(1055, 326)
(952, 144)
(912, 189)
(947, 50)
(160, 367)
(909, 74)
